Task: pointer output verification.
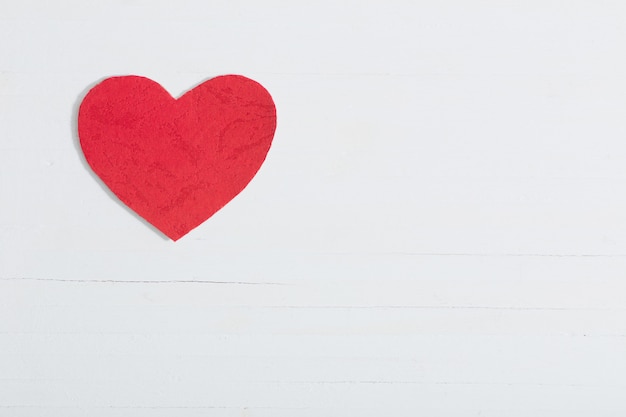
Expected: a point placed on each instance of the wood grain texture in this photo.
(439, 228)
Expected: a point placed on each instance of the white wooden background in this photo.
(439, 228)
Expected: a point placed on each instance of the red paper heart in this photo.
(175, 162)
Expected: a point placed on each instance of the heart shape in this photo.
(176, 162)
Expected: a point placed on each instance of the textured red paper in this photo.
(175, 162)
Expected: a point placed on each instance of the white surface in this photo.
(439, 228)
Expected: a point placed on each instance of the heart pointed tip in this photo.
(175, 235)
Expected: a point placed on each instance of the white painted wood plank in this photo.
(438, 230)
